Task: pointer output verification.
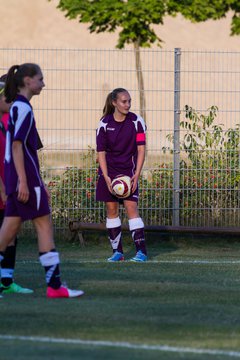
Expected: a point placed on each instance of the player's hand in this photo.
(3, 196)
(134, 181)
(23, 192)
(109, 183)
(47, 192)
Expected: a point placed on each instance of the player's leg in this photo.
(113, 225)
(9, 229)
(49, 258)
(8, 262)
(8, 267)
(8, 285)
(136, 226)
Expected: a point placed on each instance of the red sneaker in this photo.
(63, 292)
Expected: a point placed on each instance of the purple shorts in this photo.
(36, 206)
(103, 194)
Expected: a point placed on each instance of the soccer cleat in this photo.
(139, 257)
(63, 292)
(116, 256)
(15, 289)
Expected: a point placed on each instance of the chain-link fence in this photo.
(191, 174)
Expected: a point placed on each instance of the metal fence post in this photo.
(176, 137)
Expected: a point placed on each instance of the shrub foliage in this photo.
(209, 178)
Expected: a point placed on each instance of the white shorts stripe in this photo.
(38, 195)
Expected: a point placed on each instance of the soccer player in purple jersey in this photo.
(8, 285)
(27, 197)
(121, 144)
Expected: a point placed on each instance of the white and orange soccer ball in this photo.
(122, 186)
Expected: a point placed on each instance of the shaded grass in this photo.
(176, 304)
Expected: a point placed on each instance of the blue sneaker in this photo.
(117, 256)
(139, 257)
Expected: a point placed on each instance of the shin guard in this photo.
(136, 226)
(115, 234)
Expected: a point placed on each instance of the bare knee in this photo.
(131, 209)
(112, 210)
(44, 230)
(9, 229)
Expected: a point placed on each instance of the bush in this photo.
(209, 171)
(209, 180)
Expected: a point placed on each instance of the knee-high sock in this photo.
(8, 265)
(50, 262)
(114, 233)
(136, 227)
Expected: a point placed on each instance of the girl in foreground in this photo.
(8, 284)
(27, 198)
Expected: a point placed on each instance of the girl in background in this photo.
(121, 150)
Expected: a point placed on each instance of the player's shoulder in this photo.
(137, 120)
(103, 122)
(135, 117)
(20, 108)
(20, 111)
(106, 119)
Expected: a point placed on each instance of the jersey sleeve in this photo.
(101, 138)
(22, 118)
(141, 131)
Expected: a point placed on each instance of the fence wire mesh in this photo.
(191, 174)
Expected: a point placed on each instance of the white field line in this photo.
(177, 261)
(125, 345)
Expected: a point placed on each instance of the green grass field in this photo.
(183, 304)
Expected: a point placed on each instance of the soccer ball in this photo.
(122, 186)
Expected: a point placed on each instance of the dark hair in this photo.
(3, 78)
(112, 96)
(15, 78)
(2, 84)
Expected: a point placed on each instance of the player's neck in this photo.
(26, 93)
(119, 117)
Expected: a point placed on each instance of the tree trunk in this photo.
(138, 64)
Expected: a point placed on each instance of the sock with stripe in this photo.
(50, 262)
(8, 265)
(115, 234)
(136, 227)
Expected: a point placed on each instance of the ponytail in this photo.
(15, 79)
(11, 88)
(108, 107)
(112, 96)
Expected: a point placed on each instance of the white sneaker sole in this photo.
(75, 293)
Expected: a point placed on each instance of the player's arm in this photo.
(2, 191)
(103, 165)
(18, 159)
(140, 162)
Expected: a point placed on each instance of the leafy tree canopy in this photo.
(202, 10)
(133, 17)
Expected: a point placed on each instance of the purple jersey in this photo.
(21, 127)
(120, 140)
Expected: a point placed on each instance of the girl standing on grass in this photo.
(8, 263)
(121, 150)
(27, 198)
